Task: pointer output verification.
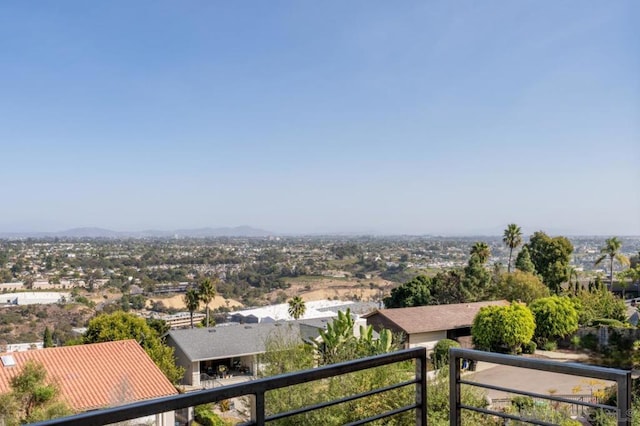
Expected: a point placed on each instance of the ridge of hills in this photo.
(95, 232)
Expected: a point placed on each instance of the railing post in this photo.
(454, 388)
(624, 400)
(421, 389)
(257, 408)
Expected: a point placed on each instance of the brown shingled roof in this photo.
(422, 319)
(97, 375)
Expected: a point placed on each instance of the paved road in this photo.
(531, 380)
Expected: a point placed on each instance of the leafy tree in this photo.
(47, 338)
(523, 261)
(498, 327)
(33, 397)
(550, 257)
(122, 326)
(512, 238)
(611, 250)
(446, 288)
(482, 251)
(556, 317)
(476, 283)
(297, 307)
(521, 286)
(192, 302)
(412, 293)
(597, 303)
(160, 326)
(206, 293)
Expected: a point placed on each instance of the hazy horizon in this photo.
(419, 118)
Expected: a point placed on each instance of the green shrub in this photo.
(606, 321)
(589, 341)
(522, 402)
(529, 348)
(549, 346)
(206, 417)
(440, 354)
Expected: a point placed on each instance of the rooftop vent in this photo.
(8, 361)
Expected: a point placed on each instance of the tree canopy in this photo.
(521, 286)
(412, 293)
(121, 326)
(556, 317)
(550, 257)
(33, 397)
(496, 328)
(523, 261)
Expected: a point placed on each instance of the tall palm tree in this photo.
(297, 307)
(207, 292)
(482, 250)
(512, 238)
(611, 250)
(192, 300)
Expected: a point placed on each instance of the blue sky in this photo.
(310, 117)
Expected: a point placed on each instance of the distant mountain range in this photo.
(239, 231)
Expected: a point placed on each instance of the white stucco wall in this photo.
(427, 340)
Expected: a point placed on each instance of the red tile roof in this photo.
(97, 375)
(422, 319)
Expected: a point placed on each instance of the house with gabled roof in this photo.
(97, 375)
(426, 325)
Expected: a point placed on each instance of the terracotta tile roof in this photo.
(422, 319)
(96, 375)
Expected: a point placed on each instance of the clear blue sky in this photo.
(328, 116)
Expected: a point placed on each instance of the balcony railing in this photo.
(621, 377)
(256, 390)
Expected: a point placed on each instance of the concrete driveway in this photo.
(532, 381)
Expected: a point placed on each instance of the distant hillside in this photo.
(239, 231)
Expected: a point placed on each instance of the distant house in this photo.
(33, 298)
(4, 287)
(426, 325)
(98, 375)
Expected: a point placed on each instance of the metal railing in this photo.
(456, 355)
(256, 389)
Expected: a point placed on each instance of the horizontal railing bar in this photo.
(331, 403)
(191, 399)
(507, 416)
(383, 415)
(537, 395)
(569, 368)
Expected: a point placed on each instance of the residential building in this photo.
(426, 325)
(97, 376)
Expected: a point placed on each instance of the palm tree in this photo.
(611, 250)
(572, 272)
(207, 292)
(482, 251)
(512, 238)
(192, 300)
(297, 307)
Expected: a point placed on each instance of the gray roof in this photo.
(200, 344)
